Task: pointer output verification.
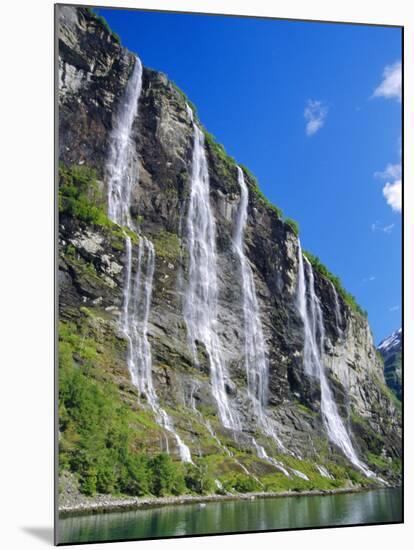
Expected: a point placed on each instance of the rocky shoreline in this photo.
(106, 503)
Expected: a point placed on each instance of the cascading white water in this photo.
(122, 159)
(200, 307)
(122, 169)
(314, 335)
(261, 453)
(206, 423)
(338, 314)
(255, 359)
(323, 471)
(254, 344)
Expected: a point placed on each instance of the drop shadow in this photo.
(44, 534)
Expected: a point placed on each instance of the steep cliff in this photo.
(93, 74)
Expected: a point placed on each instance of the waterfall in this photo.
(323, 471)
(254, 344)
(310, 311)
(255, 359)
(122, 169)
(338, 314)
(200, 307)
(261, 453)
(206, 423)
(122, 160)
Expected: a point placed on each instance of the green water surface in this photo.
(377, 506)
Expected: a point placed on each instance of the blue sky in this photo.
(313, 110)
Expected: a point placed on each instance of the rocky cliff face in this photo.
(93, 72)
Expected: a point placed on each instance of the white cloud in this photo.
(392, 171)
(392, 194)
(315, 115)
(394, 308)
(369, 279)
(390, 86)
(378, 226)
(392, 189)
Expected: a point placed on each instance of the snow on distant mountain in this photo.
(390, 349)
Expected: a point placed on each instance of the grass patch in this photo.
(167, 245)
(377, 461)
(346, 296)
(290, 222)
(79, 198)
(184, 98)
(218, 149)
(304, 409)
(293, 224)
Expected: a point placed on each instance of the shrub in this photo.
(241, 483)
(167, 477)
(198, 480)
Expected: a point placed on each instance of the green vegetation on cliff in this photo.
(101, 438)
(324, 271)
(184, 97)
(79, 197)
(105, 25)
(104, 441)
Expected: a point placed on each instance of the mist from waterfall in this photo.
(122, 170)
(200, 304)
(310, 311)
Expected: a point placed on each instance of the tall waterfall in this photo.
(254, 344)
(314, 336)
(122, 159)
(122, 169)
(200, 307)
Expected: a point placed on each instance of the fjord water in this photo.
(122, 169)
(378, 506)
(314, 335)
(200, 308)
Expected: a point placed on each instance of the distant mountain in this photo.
(390, 349)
